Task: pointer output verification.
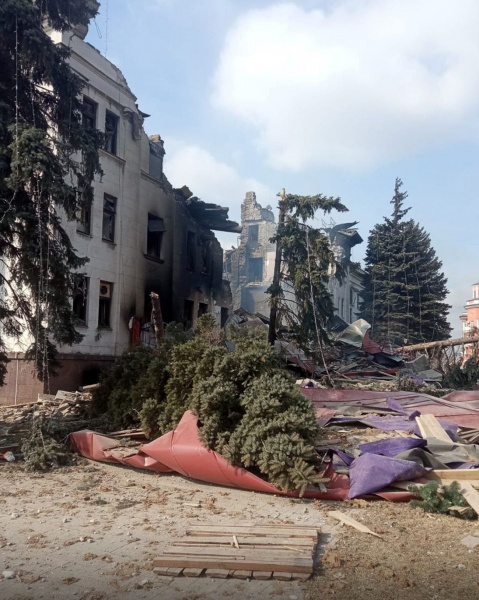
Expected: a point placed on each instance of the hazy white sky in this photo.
(330, 96)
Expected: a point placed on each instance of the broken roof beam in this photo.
(212, 216)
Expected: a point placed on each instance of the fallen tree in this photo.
(439, 344)
(249, 410)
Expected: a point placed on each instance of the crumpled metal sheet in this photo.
(181, 451)
(354, 333)
(460, 408)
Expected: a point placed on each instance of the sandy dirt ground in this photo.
(91, 532)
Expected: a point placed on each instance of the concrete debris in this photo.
(72, 409)
(8, 574)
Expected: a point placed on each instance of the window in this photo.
(188, 308)
(84, 219)
(89, 113)
(255, 269)
(190, 250)
(202, 309)
(80, 299)
(253, 234)
(111, 132)
(104, 305)
(154, 239)
(109, 217)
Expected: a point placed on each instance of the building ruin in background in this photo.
(249, 267)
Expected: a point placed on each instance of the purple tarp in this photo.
(391, 446)
(371, 472)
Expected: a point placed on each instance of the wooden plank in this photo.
(241, 574)
(270, 527)
(238, 530)
(291, 565)
(282, 576)
(163, 571)
(301, 576)
(404, 485)
(217, 573)
(347, 520)
(167, 571)
(430, 427)
(246, 540)
(191, 572)
(454, 474)
(240, 555)
(262, 575)
(192, 548)
(470, 494)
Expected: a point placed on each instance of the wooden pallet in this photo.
(283, 552)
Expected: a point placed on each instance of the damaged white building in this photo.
(140, 235)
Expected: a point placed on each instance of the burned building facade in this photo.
(140, 235)
(249, 267)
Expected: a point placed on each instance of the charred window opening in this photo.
(154, 241)
(202, 309)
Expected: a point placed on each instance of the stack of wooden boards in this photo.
(282, 552)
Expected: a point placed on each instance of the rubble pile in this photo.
(69, 410)
(360, 363)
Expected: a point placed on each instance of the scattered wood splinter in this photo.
(347, 520)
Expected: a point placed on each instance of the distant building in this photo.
(470, 320)
(139, 234)
(249, 267)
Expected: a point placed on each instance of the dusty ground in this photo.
(90, 532)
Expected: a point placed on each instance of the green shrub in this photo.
(119, 392)
(436, 498)
(41, 450)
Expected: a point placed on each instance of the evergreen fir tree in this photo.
(304, 303)
(42, 141)
(404, 288)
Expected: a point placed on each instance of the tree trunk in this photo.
(277, 273)
(440, 344)
(157, 318)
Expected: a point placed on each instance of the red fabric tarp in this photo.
(181, 451)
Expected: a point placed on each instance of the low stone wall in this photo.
(76, 370)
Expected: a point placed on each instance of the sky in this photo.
(337, 97)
